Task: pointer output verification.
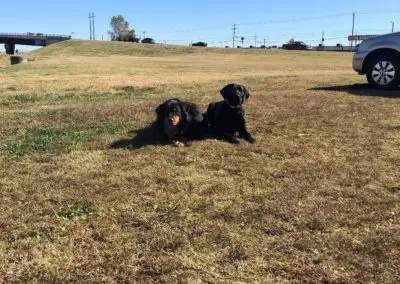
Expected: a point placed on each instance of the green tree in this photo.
(120, 30)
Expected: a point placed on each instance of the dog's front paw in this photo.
(251, 140)
(247, 136)
(179, 144)
(230, 138)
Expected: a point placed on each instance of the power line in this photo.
(337, 33)
(294, 20)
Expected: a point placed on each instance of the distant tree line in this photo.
(120, 30)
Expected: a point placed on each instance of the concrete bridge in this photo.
(37, 39)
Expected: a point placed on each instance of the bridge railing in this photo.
(35, 35)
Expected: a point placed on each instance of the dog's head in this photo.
(171, 111)
(235, 94)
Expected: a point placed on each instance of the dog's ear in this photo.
(185, 109)
(227, 90)
(194, 112)
(162, 109)
(245, 92)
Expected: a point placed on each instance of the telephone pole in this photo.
(91, 23)
(255, 40)
(234, 35)
(94, 34)
(322, 39)
(392, 26)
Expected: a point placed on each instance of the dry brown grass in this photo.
(315, 200)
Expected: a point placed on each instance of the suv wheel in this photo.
(384, 71)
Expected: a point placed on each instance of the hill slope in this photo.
(86, 47)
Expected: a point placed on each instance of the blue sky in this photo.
(183, 22)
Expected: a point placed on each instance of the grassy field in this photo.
(315, 200)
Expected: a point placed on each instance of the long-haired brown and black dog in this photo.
(179, 121)
(227, 117)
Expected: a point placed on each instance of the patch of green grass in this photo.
(257, 80)
(11, 88)
(131, 91)
(21, 98)
(124, 92)
(48, 139)
(35, 140)
(60, 112)
(69, 95)
(77, 210)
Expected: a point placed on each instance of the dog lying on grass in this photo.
(179, 121)
(227, 117)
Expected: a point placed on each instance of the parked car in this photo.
(200, 43)
(379, 59)
(148, 40)
(296, 45)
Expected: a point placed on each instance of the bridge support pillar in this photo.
(10, 48)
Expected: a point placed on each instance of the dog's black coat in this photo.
(189, 123)
(227, 117)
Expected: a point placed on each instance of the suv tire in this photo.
(383, 71)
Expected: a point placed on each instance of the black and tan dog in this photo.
(179, 121)
(227, 117)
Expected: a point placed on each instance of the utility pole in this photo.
(322, 39)
(264, 43)
(94, 34)
(255, 40)
(352, 30)
(234, 35)
(144, 35)
(392, 26)
(91, 22)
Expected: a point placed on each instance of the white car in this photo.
(379, 58)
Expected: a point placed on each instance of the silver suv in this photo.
(379, 59)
